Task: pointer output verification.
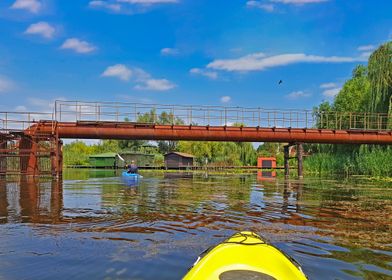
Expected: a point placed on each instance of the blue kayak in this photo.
(133, 176)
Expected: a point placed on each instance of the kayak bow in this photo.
(245, 255)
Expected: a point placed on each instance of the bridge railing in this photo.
(20, 121)
(217, 116)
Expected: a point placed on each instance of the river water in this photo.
(93, 225)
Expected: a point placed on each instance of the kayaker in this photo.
(132, 168)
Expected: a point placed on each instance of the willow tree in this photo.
(380, 76)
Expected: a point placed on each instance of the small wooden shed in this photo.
(266, 162)
(177, 160)
(105, 160)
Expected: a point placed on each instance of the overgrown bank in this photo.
(367, 160)
(368, 90)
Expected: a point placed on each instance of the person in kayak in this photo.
(132, 168)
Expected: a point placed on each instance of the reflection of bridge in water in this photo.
(25, 138)
(49, 202)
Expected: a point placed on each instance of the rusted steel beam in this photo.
(300, 151)
(286, 151)
(219, 133)
(3, 158)
(29, 161)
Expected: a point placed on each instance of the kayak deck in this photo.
(244, 256)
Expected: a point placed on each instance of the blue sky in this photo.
(184, 52)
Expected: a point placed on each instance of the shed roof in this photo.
(104, 155)
(181, 154)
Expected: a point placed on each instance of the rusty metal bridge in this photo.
(31, 142)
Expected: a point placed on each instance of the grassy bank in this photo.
(370, 161)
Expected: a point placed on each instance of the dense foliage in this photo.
(369, 90)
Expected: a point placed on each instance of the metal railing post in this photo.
(306, 119)
(190, 121)
(274, 118)
(364, 122)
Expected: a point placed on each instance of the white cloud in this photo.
(119, 71)
(298, 2)
(328, 85)
(366, 48)
(210, 74)
(298, 94)
(156, 84)
(41, 28)
(36, 104)
(148, 2)
(260, 5)
(5, 84)
(32, 6)
(259, 61)
(225, 99)
(143, 80)
(20, 108)
(169, 51)
(365, 55)
(78, 46)
(331, 92)
(98, 4)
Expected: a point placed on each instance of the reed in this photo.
(374, 161)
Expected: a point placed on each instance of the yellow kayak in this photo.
(245, 255)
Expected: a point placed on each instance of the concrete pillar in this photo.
(286, 151)
(300, 150)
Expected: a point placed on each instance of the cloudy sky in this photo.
(184, 51)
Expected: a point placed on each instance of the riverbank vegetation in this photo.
(368, 90)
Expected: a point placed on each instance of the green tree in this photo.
(106, 146)
(380, 75)
(355, 94)
(77, 153)
(321, 113)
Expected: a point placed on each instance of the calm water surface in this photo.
(92, 225)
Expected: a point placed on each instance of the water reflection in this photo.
(263, 175)
(339, 229)
(29, 201)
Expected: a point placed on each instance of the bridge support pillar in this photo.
(286, 151)
(28, 150)
(3, 158)
(56, 158)
(300, 151)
